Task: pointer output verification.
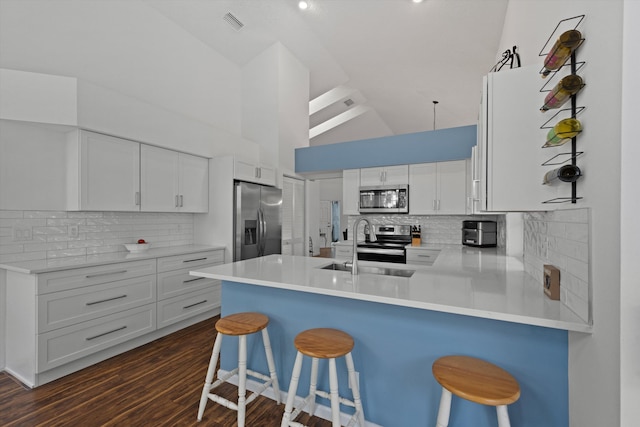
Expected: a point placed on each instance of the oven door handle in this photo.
(381, 251)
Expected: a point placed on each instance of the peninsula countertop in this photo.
(468, 281)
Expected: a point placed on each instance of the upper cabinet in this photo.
(251, 172)
(104, 173)
(508, 156)
(438, 188)
(350, 192)
(107, 173)
(388, 175)
(172, 181)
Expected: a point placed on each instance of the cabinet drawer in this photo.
(343, 251)
(60, 309)
(190, 260)
(178, 282)
(182, 307)
(87, 276)
(64, 345)
(422, 256)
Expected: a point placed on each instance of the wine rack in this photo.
(572, 111)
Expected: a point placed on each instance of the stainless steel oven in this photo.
(389, 245)
(384, 199)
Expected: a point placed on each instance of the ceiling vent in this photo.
(233, 21)
(349, 102)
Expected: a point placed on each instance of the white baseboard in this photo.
(322, 411)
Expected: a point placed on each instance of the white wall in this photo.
(594, 359)
(630, 206)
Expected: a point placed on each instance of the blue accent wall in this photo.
(422, 147)
(395, 348)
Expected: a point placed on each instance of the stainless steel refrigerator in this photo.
(257, 220)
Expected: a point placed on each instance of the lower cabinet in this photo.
(83, 315)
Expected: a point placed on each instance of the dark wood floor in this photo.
(158, 384)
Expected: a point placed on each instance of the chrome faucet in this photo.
(372, 238)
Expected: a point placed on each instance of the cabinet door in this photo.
(452, 187)
(396, 175)
(159, 179)
(109, 173)
(266, 175)
(193, 183)
(422, 188)
(251, 172)
(371, 176)
(351, 192)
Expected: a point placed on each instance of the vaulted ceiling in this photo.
(376, 66)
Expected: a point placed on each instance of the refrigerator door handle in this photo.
(259, 233)
(262, 233)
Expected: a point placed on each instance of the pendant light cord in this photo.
(434, 114)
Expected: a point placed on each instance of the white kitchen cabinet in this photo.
(387, 175)
(343, 250)
(421, 256)
(65, 320)
(351, 192)
(103, 171)
(438, 188)
(251, 172)
(509, 154)
(172, 181)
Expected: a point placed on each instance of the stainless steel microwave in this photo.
(384, 199)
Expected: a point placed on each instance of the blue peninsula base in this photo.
(394, 349)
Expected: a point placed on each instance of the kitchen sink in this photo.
(384, 271)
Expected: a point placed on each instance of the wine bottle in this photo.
(567, 86)
(563, 131)
(561, 51)
(566, 173)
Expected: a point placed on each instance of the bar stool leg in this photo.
(355, 388)
(333, 389)
(293, 388)
(313, 385)
(445, 408)
(503, 416)
(271, 364)
(213, 363)
(242, 378)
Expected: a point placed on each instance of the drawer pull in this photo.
(193, 280)
(90, 276)
(106, 333)
(105, 300)
(197, 259)
(193, 305)
(424, 256)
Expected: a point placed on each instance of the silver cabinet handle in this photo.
(106, 333)
(195, 259)
(424, 256)
(193, 305)
(106, 300)
(90, 276)
(193, 280)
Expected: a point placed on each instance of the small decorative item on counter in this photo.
(567, 86)
(561, 51)
(416, 235)
(551, 282)
(141, 246)
(566, 173)
(562, 132)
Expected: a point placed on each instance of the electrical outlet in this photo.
(73, 231)
(21, 233)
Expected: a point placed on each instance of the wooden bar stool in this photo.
(323, 343)
(240, 325)
(475, 380)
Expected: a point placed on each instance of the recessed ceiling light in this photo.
(417, 1)
(303, 5)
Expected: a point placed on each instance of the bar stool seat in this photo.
(240, 325)
(475, 380)
(323, 343)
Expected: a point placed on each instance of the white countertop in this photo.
(468, 281)
(66, 263)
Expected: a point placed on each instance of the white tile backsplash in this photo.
(48, 232)
(561, 238)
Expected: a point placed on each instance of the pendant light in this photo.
(434, 114)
